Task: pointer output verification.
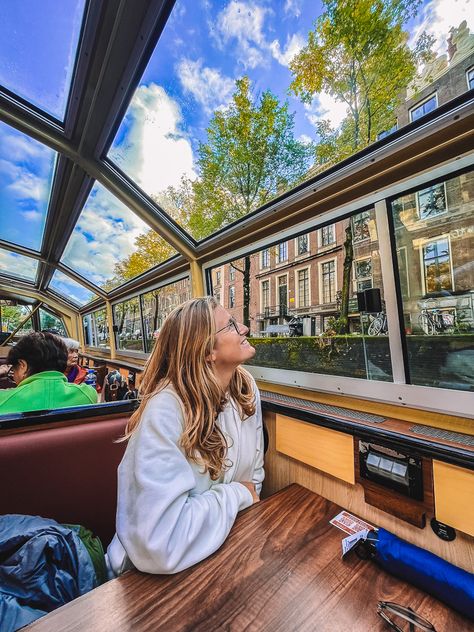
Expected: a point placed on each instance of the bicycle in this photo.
(378, 325)
(435, 321)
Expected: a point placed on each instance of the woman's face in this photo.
(231, 346)
(72, 357)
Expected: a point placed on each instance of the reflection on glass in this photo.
(70, 289)
(110, 244)
(128, 321)
(157, 304)
(13, 264)
(96, 330)
(26, 173)
(304, 316)
(38, 42)
(51, 322)
(436, 274)
(12, 315)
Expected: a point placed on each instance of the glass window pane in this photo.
(241, 102)
(12, 315)
(70, 289)
(96, 330)
(51, 322)
(157, 304)
(110, 244)
(13, 264)
(129, 325)
(434, 231)
(316, 306)
(38, 42)
(26, 173)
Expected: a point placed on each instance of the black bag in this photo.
(115, 387)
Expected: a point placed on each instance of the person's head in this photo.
(72, 347)
(199, 352)
(35, 353)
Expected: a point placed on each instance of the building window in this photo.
(432, 201)
(283, 294)
(363, 274)
(265, 258)
(360, 226)
(470, 78)
(231, 273)
(302, 245)
(231, 296)
(218, 277)
(328, 274)
(387, 132)
(428, 105)
(437, 269)
(282, 252)
(303, 288)
(327, 235)
(265, 295)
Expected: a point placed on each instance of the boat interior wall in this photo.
(65, 472)
(282, 470)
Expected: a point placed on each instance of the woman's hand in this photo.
(251, 488)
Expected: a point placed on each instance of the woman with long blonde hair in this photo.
(194, 457)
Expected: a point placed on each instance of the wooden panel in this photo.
(412, 415)
(279, 570)
(281, 470)
(327, 450)
(454, 496)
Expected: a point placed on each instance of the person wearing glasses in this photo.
(194, 457)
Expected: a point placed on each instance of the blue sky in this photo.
(206, 45)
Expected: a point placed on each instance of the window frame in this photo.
(277, 289)
(417, 203)
(321, 245)
(420, 104)
(297, 287)
(262, 302)
(284, 244)
(299, 254)
(321, 280)
(423, 243)
(469, 71)
(264, 259)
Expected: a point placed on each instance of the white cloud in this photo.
(32, 215)
(242, 22)
(18, 265)
(293, 45)
(155, 152)
(324, 106)
(304, 138)
(207, 85)
(28, 186)
(293, 7)
(438, 16)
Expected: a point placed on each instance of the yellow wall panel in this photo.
(327, 450)
(454, 496)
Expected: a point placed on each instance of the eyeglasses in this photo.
(414, 619)
(232, 323)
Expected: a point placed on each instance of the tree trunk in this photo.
(246, 291)
(346, 281)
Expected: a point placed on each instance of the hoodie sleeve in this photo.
(162, 525)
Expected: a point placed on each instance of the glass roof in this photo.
(17, 265)
(70, 289)
(227, 115)
(26, 173)
(38, 43)
(110, 244)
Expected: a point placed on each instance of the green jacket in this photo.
(45, 391)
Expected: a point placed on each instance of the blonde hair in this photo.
(180, 358)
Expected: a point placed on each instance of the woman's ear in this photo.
(211, 357)
(22, 369)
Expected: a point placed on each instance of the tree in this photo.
(358, 53)
(250, 156)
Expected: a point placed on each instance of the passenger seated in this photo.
(75, 373)
(38, 363)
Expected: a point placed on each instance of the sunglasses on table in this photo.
(415, 621)
(232, 323)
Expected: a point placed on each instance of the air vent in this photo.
(322, 409)
(447, 435)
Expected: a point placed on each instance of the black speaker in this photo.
(373, 300)
(361, 301)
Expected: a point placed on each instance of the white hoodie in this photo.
(171, 515)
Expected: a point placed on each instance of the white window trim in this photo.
(417, 202)
(262, 306)
(277, 260)
(424, 242)
(422, 102)
(297, 287)
(277, 291)
(355, 280)
(320, 279)
(470, 69)
(320, 237)
(262, 267)
(304, 254)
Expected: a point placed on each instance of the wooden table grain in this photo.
(279, 570)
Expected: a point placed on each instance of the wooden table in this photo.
(279, 570)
